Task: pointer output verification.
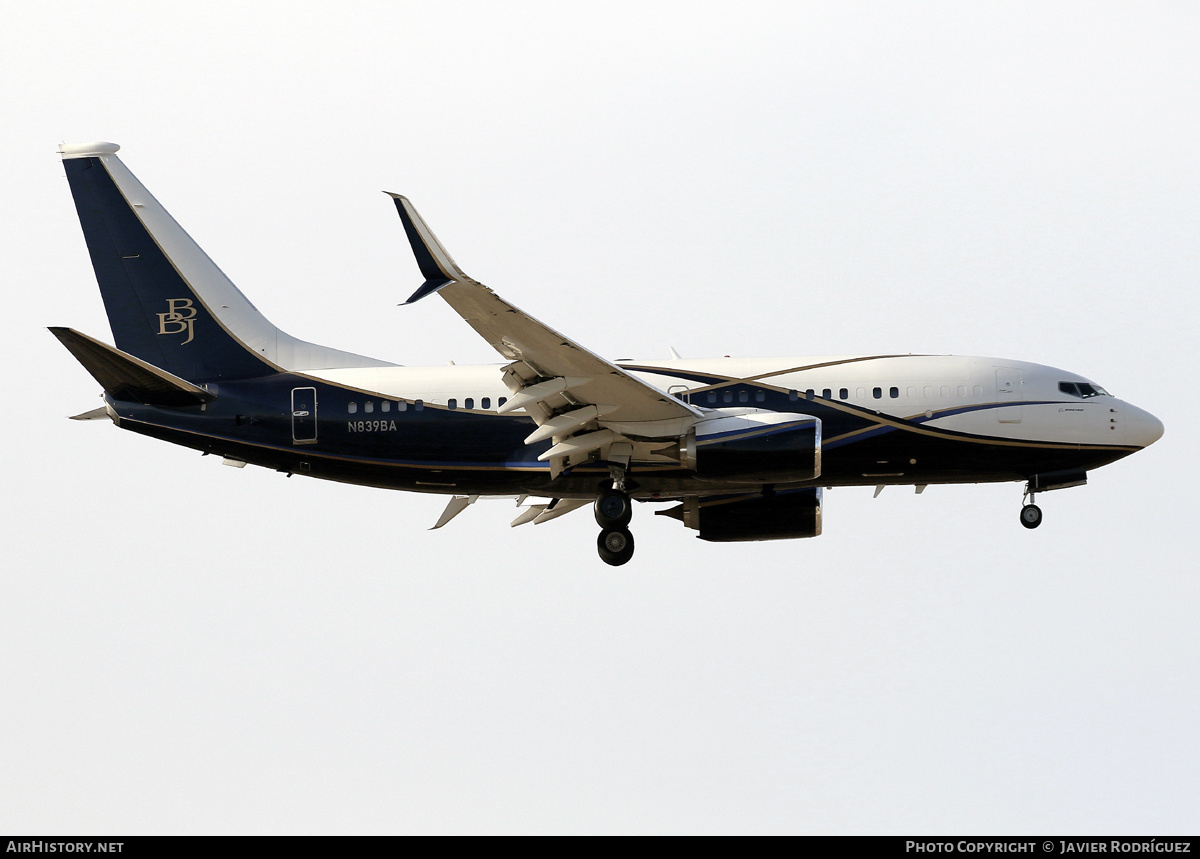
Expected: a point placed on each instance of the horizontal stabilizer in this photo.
(128, 378)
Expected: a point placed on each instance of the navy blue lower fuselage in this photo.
(437, 449)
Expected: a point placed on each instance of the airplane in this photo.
(742, 448)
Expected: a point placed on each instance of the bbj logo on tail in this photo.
(180, 313)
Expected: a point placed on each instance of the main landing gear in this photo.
(614, 509)
(615, 546)
(1031, 514)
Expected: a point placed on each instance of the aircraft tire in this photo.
(1031, 516)
(615, 546)
(614, 509)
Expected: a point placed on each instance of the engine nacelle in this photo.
(754, 447)
(779, 516)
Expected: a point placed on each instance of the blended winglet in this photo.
(438, 267)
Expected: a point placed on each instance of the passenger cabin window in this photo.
(712, 396)
(877, 393)
(385, 406)
(452, 403)
(743, 397)
(501, 401)
(894, 393)
(1083, 390)
(369, 407)
(728, 397)
(795, 395)
(485, 403)
(352, 408)
(419, 405)
(810, 394)
(759, 396)
(469, 403)
(844, 394)
(402, 406)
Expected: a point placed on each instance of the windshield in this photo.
(1083, 390)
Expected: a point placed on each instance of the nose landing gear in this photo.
(1031, 514)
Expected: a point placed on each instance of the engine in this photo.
(754, 447)
(777, 516)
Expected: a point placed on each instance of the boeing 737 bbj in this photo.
(742, 448)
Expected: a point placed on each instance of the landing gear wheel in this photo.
(1031, 515)
(615, 546)
(613, 509)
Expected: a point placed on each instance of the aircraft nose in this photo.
(1141, 427)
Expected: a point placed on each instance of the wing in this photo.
(583, 402)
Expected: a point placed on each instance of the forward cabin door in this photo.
(1008, 390)
(304, 415)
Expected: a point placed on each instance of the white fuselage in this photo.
(992, 397)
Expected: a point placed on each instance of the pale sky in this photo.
(188, 648)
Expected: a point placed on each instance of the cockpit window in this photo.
(1083, 390)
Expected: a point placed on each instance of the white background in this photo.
(186, 648)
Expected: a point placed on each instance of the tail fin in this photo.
(167, 302)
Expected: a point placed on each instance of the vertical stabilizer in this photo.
(167, 302)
